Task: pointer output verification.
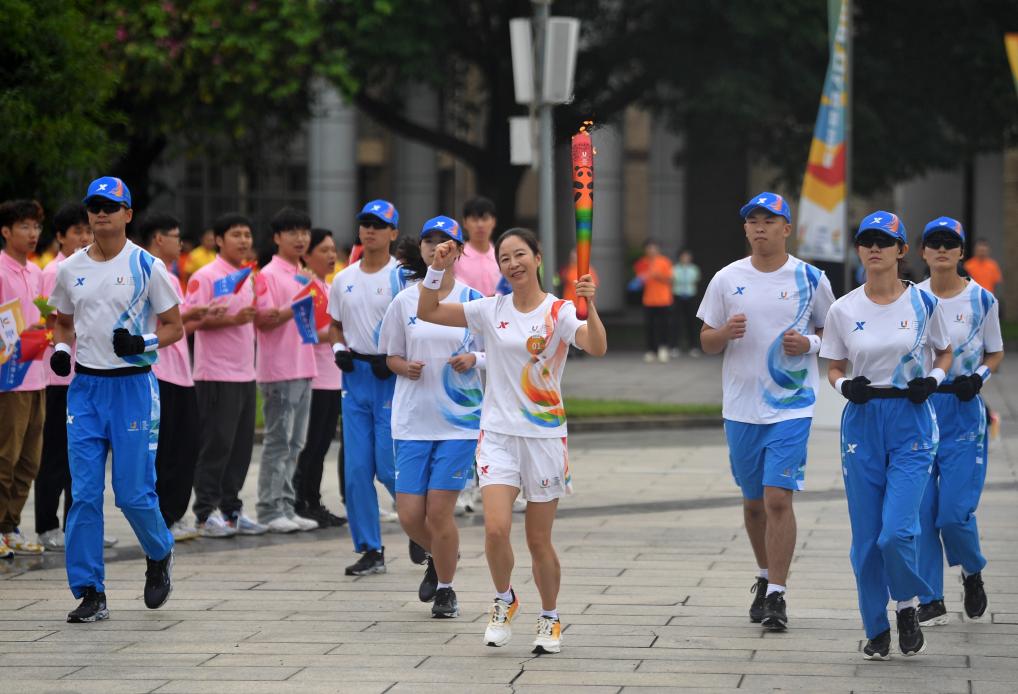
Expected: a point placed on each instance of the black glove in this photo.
(125, 344)
(921, 388)
(344, 360)
(967, 387)
(380, 368)
(857, 390)
(60, 362)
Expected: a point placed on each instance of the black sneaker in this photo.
(910, 634)
(879, 647)
(418, 555)
(157, 581)
(932, 614)
(91, 609)
(330, 518)
(371, 562)
(774, 617)
(429, 584)
(446, 605)
(975, 595)
(756, 610)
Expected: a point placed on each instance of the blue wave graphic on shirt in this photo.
(911, 364)
(791, 373)
(137, 318)
(969, 353)
(464, 391)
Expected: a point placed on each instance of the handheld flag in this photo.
(45, 307)
(34, 342)
(13, 371)
(12, 324)
(232, 283)
(321, 303)
(304, 316)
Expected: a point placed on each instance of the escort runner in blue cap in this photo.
(766, 314)
(358, 299)
(436, 412)
(108, 298)
(948, 513)
(895, 337)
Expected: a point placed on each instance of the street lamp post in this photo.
(545, 167)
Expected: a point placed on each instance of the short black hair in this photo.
(69, 215)
(478, 207)
(290, 218)
(155, 223)
(318, 234)
(225, 222)
(14, 211)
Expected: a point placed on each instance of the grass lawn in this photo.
(580, 408)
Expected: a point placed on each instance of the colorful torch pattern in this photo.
(583, 200)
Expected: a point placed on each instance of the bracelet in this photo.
(62, 347)
(840, 382)
(151, 342)
(814, 344)
(482, 359)
(984, 372)
(338, 347)
(937, 375)
(433, 279)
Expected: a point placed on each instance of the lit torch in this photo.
(583, 201)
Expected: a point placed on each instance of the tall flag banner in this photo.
(231, 284)
(1011, 46)
(821, 228)
(320, 301)
(304, 316)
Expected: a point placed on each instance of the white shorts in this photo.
(538, 467)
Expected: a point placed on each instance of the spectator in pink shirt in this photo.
(284, 369)
(178, 403)
(71, 230)
(23, 399)
(224, 381)
(477, 266)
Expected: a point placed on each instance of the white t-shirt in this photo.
(888, 344)
(127, 291)
(973, 323)
(526, 353)
(358, 300)
(760, 383)
(441, 404)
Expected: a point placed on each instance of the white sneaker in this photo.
(549, 635)
(215, 526)
(461, 505)
(303, 523)
(21, 544)
(282, 525)
(387, 516)
(245, 526)
(52, 540)
(109, 541)
(674, 353)
(695, 352)
(662, 355)
(499, 630)
(520, 505)
(648, 357)
(182, 532)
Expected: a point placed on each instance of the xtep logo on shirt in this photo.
(412, 321)
(859, 325)
(79, 281)
(70, 419)
(484, 469)
(851, 448)
(739, 290)
(349, 289)
(503, 324)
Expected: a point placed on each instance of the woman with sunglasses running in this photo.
(948, 512)
(522, 448)
(895, 337)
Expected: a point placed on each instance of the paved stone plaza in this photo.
(656, 578)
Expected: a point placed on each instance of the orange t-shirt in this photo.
(986, 273)
(657, 282)
(569, 279)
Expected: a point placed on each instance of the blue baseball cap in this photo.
(110, 188)
(887, 222)
(382, 210)
(447, 225)
(771, 203)
(947, 224)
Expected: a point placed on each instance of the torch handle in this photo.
(583, 201)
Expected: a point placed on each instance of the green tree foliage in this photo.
(54, 87)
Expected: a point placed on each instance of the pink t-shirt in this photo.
(174, 364)
(223, 354)
(478, 270)
(329, 376)
(24, 283)
(282, 356)
(49, 280)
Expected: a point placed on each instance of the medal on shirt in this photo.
(536, 342)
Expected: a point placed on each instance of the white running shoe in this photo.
(387, 516)
(52, 540)
(662, 355)
(182, 532)
(282, 525)
(500, 630)
(109, 541)
(303, 523)
(215, 526)
(549, 635)
(520, 505)
(21, 544)
(648, 357)
(245, 526)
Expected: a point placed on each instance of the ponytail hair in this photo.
(408, 255)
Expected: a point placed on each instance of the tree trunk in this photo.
(134, 167)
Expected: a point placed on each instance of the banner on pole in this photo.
(1011, 46)
(821, 228)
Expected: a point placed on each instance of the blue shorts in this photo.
(424, 465)
(771, 455)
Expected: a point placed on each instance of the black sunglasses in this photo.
(374, 224)
(107, 206)
(945, 241)
(875, 238)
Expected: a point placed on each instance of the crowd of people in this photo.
(392, 352)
